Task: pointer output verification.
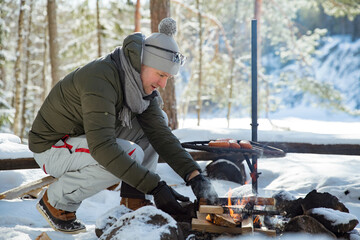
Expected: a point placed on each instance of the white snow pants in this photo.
(80, 176)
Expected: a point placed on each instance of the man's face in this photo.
(152, 78)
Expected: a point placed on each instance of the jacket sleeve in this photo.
(165, 142)
(98, 97)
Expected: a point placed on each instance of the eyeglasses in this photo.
(177, 57)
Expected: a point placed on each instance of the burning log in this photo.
(237, 210)
(221, 220)
(244, 200)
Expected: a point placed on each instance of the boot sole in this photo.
(48, 219)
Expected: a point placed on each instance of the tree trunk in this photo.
(2, 56)
(45, 83)
(26, 80)
(199, 102)
(137, 17)
(160, 9)
(257, 15)
(53, 41)
(98, 27)
(17, 70)
(232, 63)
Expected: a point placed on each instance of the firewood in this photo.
(205, 226)
(222, 220)
(24, 189)
(244, 200)
(268, 232)
(43, 236)
(211, 209)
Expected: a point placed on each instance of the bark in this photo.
(199, 102)
(2, 56)
(17, 70)
(45, 83)
(98, 27)
(26, 80)
(232, 64)
(160, 9)
(53, 41)
(137, 17)
(258, 15)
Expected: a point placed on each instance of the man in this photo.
(102, 124)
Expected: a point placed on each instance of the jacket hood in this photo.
(133, 47)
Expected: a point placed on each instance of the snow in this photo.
(138, 218)
(295, 174)
(334, 216)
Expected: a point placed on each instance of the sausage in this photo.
(245, 144)
(234, 144)
(220, 144)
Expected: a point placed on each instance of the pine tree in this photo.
(17, 71)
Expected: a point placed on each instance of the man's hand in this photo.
(166, 199)
(202, 188)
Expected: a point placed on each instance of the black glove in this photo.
(202, 188)
(166, 199)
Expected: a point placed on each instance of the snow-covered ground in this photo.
(296, 173)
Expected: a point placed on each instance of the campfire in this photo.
(235, 216)
(317, 213)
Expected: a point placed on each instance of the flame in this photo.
(257, 222)
(229, 203)
(208, 218)
(236, 217)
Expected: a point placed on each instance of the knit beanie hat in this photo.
(161, 51)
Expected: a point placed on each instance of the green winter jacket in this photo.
(87, 101)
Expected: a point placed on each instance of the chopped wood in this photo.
(244, 200)
(43, 236)
(211, 209)
(205, 226)
(268, 232)
(237, 209)
(222, 220)
(24, 189)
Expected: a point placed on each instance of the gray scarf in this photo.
(135, 97)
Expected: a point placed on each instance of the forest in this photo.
(41, 41)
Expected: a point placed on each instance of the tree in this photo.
(26, 79)
(17, 71)
(137, 17)
(53, 41)
(98, 28)
(160, 9)
(199, 101)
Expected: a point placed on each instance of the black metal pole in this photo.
(254, 100)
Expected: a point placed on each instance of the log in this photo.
(24, 189)
(18, 163)
(211, 209)
(339, 149)
(236, 209)
(43, 236)
(268, 232)
(205, 226)
(244, 200)
(222, 220)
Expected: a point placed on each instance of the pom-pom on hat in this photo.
(161, 51)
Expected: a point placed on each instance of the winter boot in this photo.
(135, 203)
(59, 220)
